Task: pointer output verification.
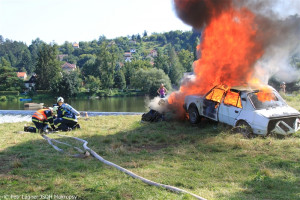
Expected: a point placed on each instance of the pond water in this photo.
(15, 111)
(108, 104)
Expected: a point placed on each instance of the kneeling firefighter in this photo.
(66, 116)
(41, 120)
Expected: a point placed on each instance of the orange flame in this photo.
(265, 94)
(228, 54)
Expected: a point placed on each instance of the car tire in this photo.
(194, 116)
(244, 128)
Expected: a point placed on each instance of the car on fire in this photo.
(252, 110)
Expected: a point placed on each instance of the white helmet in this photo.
(50, 108)
(54, 110)
(60, 99)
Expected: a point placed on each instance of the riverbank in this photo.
(82, 95)
(211, 162)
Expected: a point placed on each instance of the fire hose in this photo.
(98, 157)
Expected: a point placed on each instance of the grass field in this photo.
(208, 160)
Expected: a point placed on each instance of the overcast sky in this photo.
(85, 20)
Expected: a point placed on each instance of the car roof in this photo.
(248, 88)
(245, 88)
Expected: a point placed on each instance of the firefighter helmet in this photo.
(60, 99)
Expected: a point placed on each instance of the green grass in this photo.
(209, 161)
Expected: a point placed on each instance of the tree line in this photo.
(100, 63)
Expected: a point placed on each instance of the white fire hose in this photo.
(90, 151)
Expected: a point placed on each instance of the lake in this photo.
(105, 104)
(14, 111)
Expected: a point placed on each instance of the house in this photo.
(22, 75)
(31, 82)
(68, 67)
(75, 45)
(132, 50)
(127, 56)
(153, 53)
(61, 56)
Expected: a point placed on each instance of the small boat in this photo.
(25, 99)
(33, 105)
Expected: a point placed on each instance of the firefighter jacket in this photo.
(43, 116)
(67, 112)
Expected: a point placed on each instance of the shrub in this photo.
(3, 98)
(9, 93)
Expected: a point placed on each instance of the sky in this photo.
(85, 20)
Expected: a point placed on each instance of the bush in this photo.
(9, 93)
(3, 98)
(42, 91)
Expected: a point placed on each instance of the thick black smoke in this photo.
(197, 13)
(277, 23)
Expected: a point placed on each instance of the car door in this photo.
(211, 103)
(230, 108)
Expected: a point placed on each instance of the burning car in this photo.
(253, 110)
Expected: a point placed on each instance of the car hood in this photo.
(282, 111)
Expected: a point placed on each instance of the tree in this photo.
(68, 86)
(161, 61)
(119, 80)
(26, 62)
(105, 65)
(48, 67)
(9, 80)
(176, 69)
(130, 67)
(138, 38)
(145, 33)
(186, 58)
(67, 48)
(149, 80)
(93, 84)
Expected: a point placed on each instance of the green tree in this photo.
(68, 85)
(8, 78)
(105, 63)
(176, 69)
(149, 80)
(119, 80)
(48, 67)
(93, 84)
(130, 67)
(26, 62)
(67, 48)
(145, 33)
(186, 58)
(161, 61)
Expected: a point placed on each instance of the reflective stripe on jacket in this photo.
(40, 115)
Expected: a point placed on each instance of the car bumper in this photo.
(282, 128)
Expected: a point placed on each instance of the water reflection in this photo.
(109, 104)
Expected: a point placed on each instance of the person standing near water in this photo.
(162, 91)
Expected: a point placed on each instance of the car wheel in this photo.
(194, 116)
(244, 128)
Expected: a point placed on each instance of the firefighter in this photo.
(41, 120)
(66, 116)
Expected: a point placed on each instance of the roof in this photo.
(21, 74)
(127, 54)
(69, 65)
(75, 44)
